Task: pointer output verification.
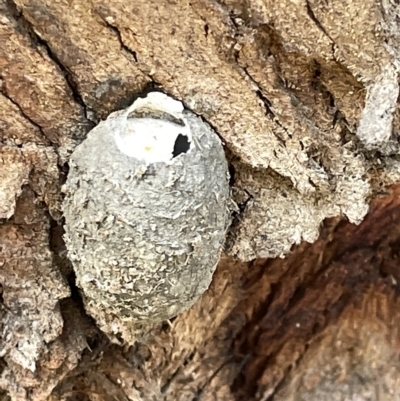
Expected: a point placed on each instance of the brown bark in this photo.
(304, 96)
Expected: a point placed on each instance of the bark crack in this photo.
(125, 47)
(119, 36)
(3, 91)
(209, 380)
(258, 90)
(66, 74)
(319, 25)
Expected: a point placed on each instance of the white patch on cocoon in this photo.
(151, 139)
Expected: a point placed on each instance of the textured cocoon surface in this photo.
(144, 236)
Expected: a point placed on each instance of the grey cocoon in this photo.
(145, 236)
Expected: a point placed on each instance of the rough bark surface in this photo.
(304, 95)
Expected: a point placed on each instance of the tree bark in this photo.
(304, 95)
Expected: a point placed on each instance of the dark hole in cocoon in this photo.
(182, 145)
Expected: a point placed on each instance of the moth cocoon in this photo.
(146, 213)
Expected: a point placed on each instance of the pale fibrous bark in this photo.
(304, 97)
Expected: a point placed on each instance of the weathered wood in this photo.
(304, 96)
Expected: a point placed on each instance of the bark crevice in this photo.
(127, 49)
(3, 91)
(39, 41)
(319, 25)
